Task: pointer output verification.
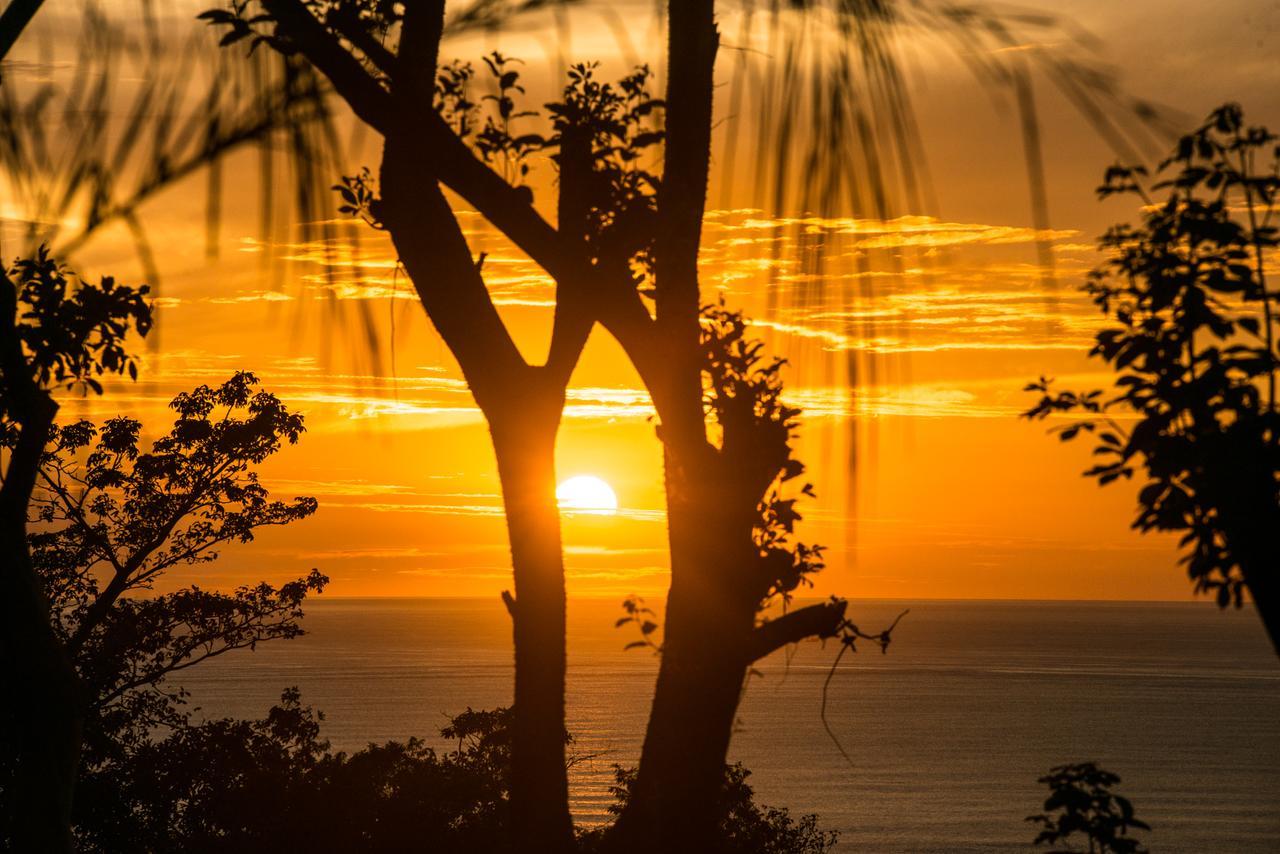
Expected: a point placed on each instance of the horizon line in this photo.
(612, 597)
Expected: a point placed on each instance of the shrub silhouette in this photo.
(1081, 802)
(271, 785)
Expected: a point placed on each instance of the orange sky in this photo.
(955, 496)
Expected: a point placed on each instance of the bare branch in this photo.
(812, 621)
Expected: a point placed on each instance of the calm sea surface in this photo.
(946, 734)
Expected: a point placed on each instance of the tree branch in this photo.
(14, 20)
(691, 56)
(376, 52)
(820, 621)
(426, 233)
(573, 316)
(75, 511)
(693, 42)
(458, 168)
(407, 117)
(366, 97)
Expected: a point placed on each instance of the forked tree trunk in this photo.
(711, 638)
(709, 617)
(522, 404)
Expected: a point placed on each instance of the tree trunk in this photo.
(674, 805)
(1240, 484)
(1250, 519)
(708, 626)
(44, 694)
(1266, 599)
(47, 708)
(525, 448)
(522, 404)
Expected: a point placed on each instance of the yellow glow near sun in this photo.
(587, 493)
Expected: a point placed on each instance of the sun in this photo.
(587, 493)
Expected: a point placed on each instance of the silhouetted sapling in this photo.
(1081, 802)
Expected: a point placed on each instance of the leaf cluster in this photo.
(273, 784)
(742, 397)
(359, 197)
(73, 332)
(495, 141)
(1192, 343)
(637, 613)
(110, 518)
(1081, 802)
(453, 98)
(365, 24)
(622, 123)
(618, 124)
(241, 23)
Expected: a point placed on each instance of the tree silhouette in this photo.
(1193, 347)
(625, 255)
(397, 94)
(1081, 802)
(109, 519)
(54, 333)
(628, 260)
(107, 511)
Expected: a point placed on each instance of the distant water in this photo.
(946, 734)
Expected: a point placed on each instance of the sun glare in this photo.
(587, 493)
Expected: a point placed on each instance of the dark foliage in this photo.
(71, 332)
(274, 785)
(111, 518)
(56, 332)
(1081, 802)
(745, 827)
(1192, 344)
(742, 389)
(603, 133)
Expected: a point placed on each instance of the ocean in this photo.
(945, 734)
